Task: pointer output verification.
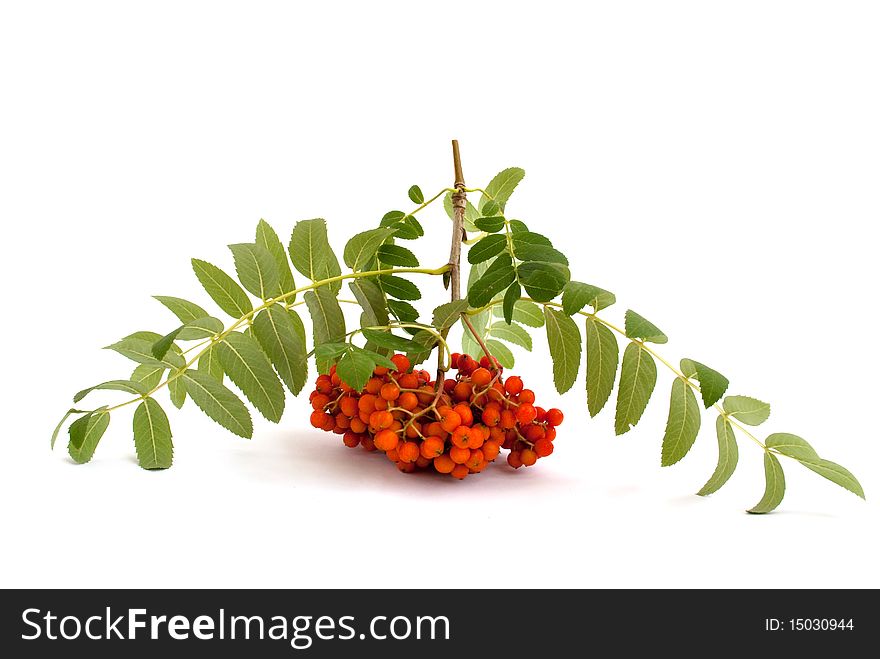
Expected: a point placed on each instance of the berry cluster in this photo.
(459, 427)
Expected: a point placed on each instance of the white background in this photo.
(714, 164)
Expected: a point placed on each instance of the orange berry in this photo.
(507, 419)
(555, 416)
(406, 467)
(460, 472)
(335, 380)
(366, 403)
(475, 459)
(525, 414)
(380, 403)
(432, 447)
(513, 385)
(478, 435)
(462, 391)
(459, 455)
(401, 362)
(550, 433)
(408, 381)
(408, 451)
(349, 406)
(357, 425)
(450, 420)
(412, 430)
(390, 391)
(408, 401)
(527, 396)
(342, 421)
(514, 460)
(329, 424)
(425, 395)
(528, 457)
(477, 469)
(319, 402)
(393, 455)
(496, 434)
(465, 412)
(380, 371)
(481, 377)
(323, 384)
(533, 432)
(491, 449)
(367, 443)
(444, 464)
(374, 385)
(434, 429)
(319, 418)
(351, 440)
(461, 437)
(491, 416)
(386, 440)
(423, 462)
(543, 448)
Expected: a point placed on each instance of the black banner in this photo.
(318, 623)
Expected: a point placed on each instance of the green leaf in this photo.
(152, 436)
(512, 333)
(502, 186)
(402, 289)
(176, 391)
(792, 446)
(328, 323)
(391, 217)
(163, 345)
(275, 331)
(682, 425)
(141, 351)
(517, 226)
(248, 367)
(471, 214)
(61, 423)
(378, 360)
(446, 315)
(256, 269)
(638, 327)
(508, 306)
(491, 208)
(525, 312)
(362, 247)
(403, 311)
(219, 403)
(525, 239)
(638, 375)
(389, 340)
(268, 240)
(501, 352)
(372, 300)
(543, 281)
(421, 338)
(311, 254)
(183, 309)
(209, 364)
(331, 351)
(750, 411)
(409, 228)
(728, 456)
(498, 276)
(490, 224)
(129, 386)
(85, 433)
(836, 474)
(603, 357)
(775, 486)
(200, 328)
(712, 383)
(148, 376)
(486, 248)
(564, 339)
(576, 295)
(222, 289)
(397, 255)
(526, 252)
(354, 369)
(416, 197)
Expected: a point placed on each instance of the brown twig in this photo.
(479, 339)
